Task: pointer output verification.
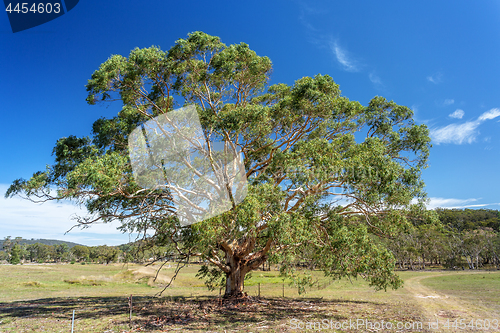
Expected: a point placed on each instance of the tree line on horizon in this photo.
(463, 238)
(17, 251)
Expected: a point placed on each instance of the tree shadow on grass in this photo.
(192, 314)
(59, 307)
(186, 313)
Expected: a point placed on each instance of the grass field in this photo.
(41, 298)
(481, 288)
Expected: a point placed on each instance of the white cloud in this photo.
(375, 79)
(306, 10)
(448, 101)
(50, 220)
(435, 78)
(491, 114)
(343, 57)
(458, 114)
(436, 202)
(458, 134)
(462, 133)
(306, 23)
(448, 203)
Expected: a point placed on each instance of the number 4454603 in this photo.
(39, 8)
(475, 324)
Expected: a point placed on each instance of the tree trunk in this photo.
(239, 260)
(235, 279)
(469, 262)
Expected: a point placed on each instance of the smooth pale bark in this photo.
(235, 279)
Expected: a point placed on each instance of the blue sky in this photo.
(439, 58)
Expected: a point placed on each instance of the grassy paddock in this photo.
(35, 298)
(481, 288)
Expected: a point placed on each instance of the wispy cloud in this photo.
(306, 23)
(305, 11)
(456, 203)
(435, 78)
(458, 134)
(491, 114)
(449, 202)
(448, 101)
(458, 114)
(462, 133)
(321, 40)
(375, 79)
(343, 57)
(51, 220)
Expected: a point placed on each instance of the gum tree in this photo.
(326, 175)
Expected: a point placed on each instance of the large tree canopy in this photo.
(326, 175)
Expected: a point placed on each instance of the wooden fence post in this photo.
(130, 310)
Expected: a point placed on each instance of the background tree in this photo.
(315, 161)
(62, 251)
(4, 256)
(104, 254)
(492, 253)
(81, 252)
(32, 252)
(7, 244)
(15, 254)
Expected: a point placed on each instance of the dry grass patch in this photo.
(32, 284)
(147, 275)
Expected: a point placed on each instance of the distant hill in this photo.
(470, 219)
(42, 241)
